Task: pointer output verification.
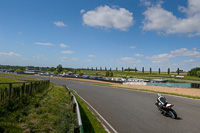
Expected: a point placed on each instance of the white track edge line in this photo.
(96, 112)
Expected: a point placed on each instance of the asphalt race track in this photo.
(129, 111)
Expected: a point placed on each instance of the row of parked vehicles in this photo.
(106, 78)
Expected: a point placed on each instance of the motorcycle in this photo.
(167, 110)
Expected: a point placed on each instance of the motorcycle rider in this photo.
(161, 101)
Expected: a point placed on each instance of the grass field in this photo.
(50, 111)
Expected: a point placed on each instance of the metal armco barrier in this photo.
(77, 111)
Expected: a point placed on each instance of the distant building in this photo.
(31, 70)
(5, 70)
(68, 74)
(181, 71)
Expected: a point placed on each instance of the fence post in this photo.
(23, 87)
(31, 88)
(74, 107)
(10, 91)
(6, 93)
(72, 98)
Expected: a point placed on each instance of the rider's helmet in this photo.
(159, 95)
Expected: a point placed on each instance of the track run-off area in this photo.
(130, 111)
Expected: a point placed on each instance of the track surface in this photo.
(131, 111)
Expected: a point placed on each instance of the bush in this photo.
(194, 72)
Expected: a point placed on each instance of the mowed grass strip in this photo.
(8, 80)
(89, 120)
(50, 111)
(16, 76)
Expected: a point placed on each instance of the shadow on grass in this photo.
(87, 126)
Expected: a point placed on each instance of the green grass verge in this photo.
(49, 111)
(175, 94)
(6, 80)
(16, 76)
(90, 122)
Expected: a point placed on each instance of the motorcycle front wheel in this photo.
(173, 114)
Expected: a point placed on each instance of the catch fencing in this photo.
(23, 90)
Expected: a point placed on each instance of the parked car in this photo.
(76, 75)
(85, 76)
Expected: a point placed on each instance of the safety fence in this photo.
(23, 89)
(76, 110)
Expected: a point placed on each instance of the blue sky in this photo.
(101, 33)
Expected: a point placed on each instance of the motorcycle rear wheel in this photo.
(173, 114)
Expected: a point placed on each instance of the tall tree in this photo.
(178, 71)
(105, 69)
(59, 68)
(159, 70)
(96, 68)
(111, 74)
(107, 73)
(122, 69)
(129, 69)
(150, 70)
(168, 71)
(110, 69)
(135, 69)
(116, 69)
(52, 69)
(142, 69)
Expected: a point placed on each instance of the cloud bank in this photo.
(163, 21)
(109, 17)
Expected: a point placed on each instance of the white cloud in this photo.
(67, 52)
(146, 2)
(163, 21)
(63, 58)
(182, 52)
(132, 47)
(91, 55)
(129, 60)
(138, 55)
(8, 54)
(59, 24)
(107, 17)
(75, 59)
(45, 44)
(188, 61)
(82, 11)
(40, 57)
(88, 60)
(63, 46)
